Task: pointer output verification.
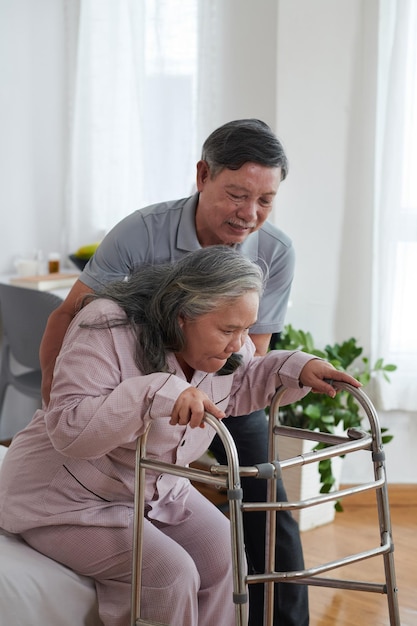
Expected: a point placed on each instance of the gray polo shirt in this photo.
(166, 231)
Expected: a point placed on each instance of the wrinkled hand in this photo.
(315, 371)
(190, 407)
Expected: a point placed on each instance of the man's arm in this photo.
(55, 330)
(261, 343)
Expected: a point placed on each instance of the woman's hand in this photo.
(315, 371)
(190, 407)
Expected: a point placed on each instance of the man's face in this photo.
(235, 203)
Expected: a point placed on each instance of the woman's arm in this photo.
(99, 398)
(257, 380)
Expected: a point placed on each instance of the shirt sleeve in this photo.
(99, 398)
(123, 248)
(256, 381)
(274, 301)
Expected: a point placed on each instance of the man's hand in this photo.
(190, 407)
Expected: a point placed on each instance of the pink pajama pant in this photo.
(187, 569)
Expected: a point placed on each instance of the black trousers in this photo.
(250, 433)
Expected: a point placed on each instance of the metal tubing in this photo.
(138, 523)
(313, 501)
(319, 569)
(356, 440)
(188, 472)
(381, 498)
(271, 513)
(229, 476)
(232, 482)
(348, 445)
(240, 594)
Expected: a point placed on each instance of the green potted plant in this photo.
(318, 411)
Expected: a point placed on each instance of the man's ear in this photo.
(203, 174)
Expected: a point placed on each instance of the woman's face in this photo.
(212, 338)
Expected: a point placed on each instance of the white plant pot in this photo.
(304, 482)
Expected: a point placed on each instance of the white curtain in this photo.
(131, 102)
(396, 206)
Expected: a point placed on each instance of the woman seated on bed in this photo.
(148, 350)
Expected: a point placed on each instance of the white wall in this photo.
(326, 204)
(308, 69)
(241, 79)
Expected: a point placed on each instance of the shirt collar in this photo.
(187, 236)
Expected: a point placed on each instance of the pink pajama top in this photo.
(74, 463)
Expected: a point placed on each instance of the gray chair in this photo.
(24, 313)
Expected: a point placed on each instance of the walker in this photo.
(229, 477)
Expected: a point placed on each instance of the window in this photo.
(396, 233)
(169, 91)
(132, 110)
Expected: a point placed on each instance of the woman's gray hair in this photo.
(243, 141)
(155, 297)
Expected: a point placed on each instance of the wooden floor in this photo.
(354, 530)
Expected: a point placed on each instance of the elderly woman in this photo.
(163, 347)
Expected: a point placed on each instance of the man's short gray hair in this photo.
(243, 141)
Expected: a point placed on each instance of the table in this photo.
(61, 292)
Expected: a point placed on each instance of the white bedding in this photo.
(37, 591)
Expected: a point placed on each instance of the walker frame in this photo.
(228, 476)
